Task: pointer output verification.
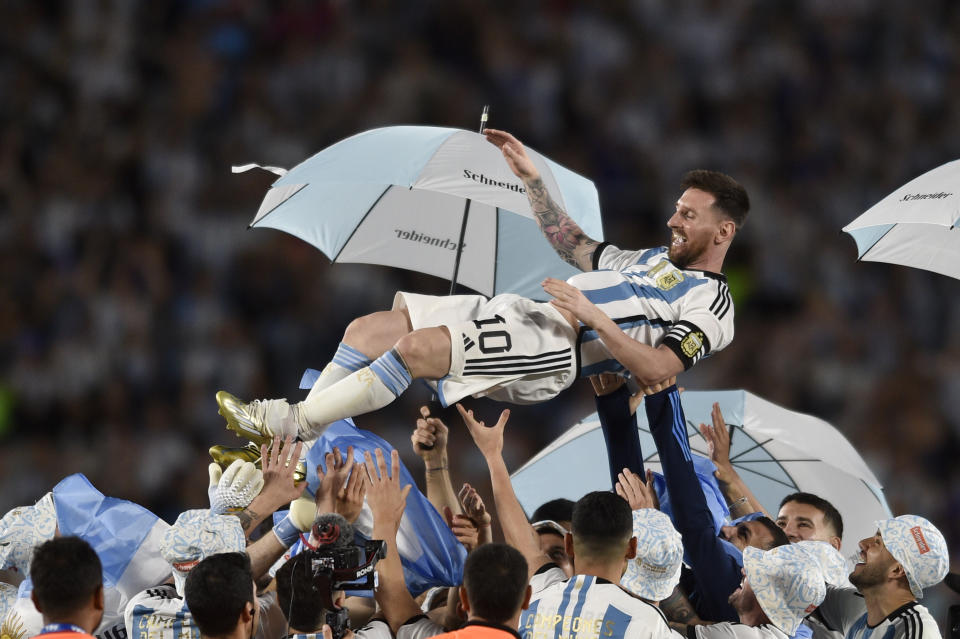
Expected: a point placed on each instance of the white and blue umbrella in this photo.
(434, 200)
(776, 451)
(916, 225)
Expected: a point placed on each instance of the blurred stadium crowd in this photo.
(131, 290)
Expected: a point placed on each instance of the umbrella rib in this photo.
(754, 447)
(792, 484)
(360, 223)
(285, 200)
(878, 241)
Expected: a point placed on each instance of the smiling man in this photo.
(905, 556)
(647, 313)
(805, 517)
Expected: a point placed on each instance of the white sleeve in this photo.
(705, 325)
(543, 580)
(722, 630)
(608, 256)
(420, 628)
(375, 629)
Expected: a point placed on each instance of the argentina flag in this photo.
(124, 535)
(430, 553)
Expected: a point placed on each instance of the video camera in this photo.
(342, 568)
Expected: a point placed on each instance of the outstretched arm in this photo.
(565, 235)
(517, 531)
(738, 495)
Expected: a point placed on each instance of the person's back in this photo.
(592, 603)
(67, 588)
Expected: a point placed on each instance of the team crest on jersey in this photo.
(692, 343)
(668, 280)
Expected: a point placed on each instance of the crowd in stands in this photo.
(132, 290)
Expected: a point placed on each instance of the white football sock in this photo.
(364, 391)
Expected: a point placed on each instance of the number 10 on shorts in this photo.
(492, 341)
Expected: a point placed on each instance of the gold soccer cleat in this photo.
(248, 421)
(223, 456)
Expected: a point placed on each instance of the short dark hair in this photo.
(66, 573)
(555, 510)
(298, 599)
(779, 537)
(831, 516)
(495, 576)
(729, 196)
(217, 590)
(601, 521)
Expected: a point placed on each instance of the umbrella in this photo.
(435, 200)
(916, 225)
(775, 450)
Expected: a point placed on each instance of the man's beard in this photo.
(867, 576)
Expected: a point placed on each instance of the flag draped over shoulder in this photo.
(430, 553)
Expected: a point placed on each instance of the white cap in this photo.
(919, 547)
(833, 565)
(785, 583)
(24, 528)
(196, 535)
(655, 571)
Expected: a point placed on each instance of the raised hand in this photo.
(514, 153)
(430, 431)
(386, 498)
(279, 465)
(718, 442)
(488, 440)
(473, 506)
(635, 491)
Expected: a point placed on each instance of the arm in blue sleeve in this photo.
(717, 574)
(620, 433)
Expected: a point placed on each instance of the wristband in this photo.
(736, 503)
(286, 531)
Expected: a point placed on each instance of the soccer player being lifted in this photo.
(649, 314)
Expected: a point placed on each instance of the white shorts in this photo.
(509, 348)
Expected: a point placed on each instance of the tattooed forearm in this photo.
(678, 610)
(248, 519)
(565, 235)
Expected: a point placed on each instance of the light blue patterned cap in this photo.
(786, 582)
(919, 547)
(196, 535)
(24, 528)
(655, 571)
(835, 568)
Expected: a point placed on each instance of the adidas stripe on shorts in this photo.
(508, 348)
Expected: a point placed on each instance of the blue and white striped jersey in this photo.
(654, 302)
(587, 607)
(159, 613)
(844, 610)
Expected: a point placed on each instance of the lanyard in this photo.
(62, 627)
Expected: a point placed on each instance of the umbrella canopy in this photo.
(410, 196)
(775, 450)
(916, 225)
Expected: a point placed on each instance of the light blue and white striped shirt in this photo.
(588, 607)
(654, 302)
